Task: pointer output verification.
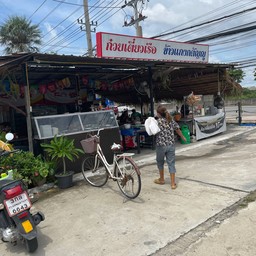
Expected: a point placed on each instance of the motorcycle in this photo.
(16, 221)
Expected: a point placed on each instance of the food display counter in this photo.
(78, 126)
(46, 127)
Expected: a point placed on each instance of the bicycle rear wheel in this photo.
(97, 176)
(128, 177)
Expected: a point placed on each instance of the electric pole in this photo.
(137, 16)
(87, 25)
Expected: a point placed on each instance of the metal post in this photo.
(151, 91)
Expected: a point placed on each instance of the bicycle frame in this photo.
(97, 170)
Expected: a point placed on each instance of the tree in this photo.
(18, 35)
(237, 74)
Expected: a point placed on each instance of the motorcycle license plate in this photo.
(27, 226)
(17, 204)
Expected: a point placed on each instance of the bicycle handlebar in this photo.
(4, 153)
(98, 133)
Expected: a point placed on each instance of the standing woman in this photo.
(165, 147)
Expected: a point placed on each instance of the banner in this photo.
(207, 126)
(138, 48)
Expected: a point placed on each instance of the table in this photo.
(132, 138)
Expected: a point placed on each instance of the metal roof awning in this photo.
(180, 78)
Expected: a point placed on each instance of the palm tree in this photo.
(18, 35)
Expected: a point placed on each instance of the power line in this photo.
(82, 4)
(61, 22)
(74, 33)
(37, 9)
(205, 23)
(50, 12)
(217, 35)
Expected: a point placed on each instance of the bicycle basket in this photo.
(89, 145)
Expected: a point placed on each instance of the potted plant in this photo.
(33, 170)
(62, 148)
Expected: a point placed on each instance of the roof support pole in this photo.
(28, 108)
(151, 96)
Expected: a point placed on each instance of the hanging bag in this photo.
(151, 126)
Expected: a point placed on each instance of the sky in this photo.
(62, 34)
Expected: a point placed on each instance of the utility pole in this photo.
(137, 16)
(87, 25)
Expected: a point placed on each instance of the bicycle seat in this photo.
(116, 147)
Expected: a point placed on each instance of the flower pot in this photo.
(37, 182)
(65, 180)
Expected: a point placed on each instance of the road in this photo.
(211, 179)
(248, 113)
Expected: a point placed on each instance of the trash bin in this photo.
(186, 133)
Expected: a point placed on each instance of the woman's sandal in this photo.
(174, 186)
(159, 182)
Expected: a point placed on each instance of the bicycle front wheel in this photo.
(128, 177)
(95, 174)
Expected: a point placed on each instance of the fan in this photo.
(142, 88)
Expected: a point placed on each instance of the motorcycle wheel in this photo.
(31, 245)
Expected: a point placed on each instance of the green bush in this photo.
(31, 169)
(61, 148)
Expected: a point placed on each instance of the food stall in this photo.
(78, 126)
(204, 120)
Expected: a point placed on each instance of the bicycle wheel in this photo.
(129, 180)
(97, 176)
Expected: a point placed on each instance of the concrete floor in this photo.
(212, 175)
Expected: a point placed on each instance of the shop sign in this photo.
(138, 48)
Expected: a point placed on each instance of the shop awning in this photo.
(171, 80)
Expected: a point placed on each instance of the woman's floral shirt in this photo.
(166, 135)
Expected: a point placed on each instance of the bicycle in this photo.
(96, 170)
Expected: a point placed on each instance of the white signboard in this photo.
(207, 126)
(139, 48)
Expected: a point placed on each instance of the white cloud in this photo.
(50, 31)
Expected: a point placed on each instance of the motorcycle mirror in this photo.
(9, 136)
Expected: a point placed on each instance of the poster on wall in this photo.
(44, 94)
(207, 126)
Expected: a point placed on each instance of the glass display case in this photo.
(46, 127)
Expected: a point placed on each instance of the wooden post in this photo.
(239, 104)
(28, 108)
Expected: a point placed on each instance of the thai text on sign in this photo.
(138, 48)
